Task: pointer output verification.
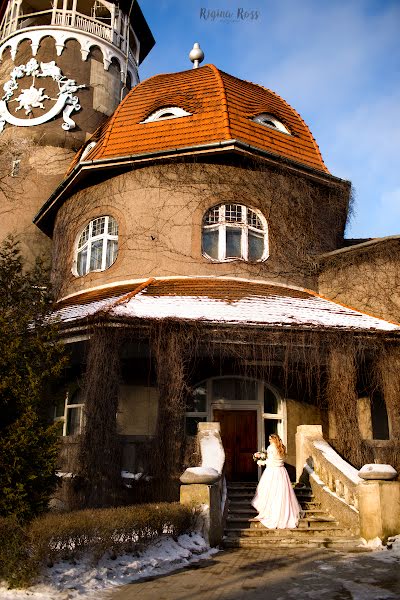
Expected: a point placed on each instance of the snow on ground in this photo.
(66, 581)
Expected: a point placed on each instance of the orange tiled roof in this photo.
(221, 108)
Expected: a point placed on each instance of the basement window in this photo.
(97, 247)
(234, 232)
(270, 121)
(169, 112)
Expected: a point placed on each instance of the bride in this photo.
(275, 499)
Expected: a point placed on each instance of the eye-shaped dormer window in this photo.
(86, 151)
(169, 112)
(234, 231)
(270, 121)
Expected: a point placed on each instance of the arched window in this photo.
(236, 393)
(97, 245)
(234, 231)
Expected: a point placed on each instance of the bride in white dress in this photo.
(275, 499)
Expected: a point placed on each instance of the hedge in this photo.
(26, 550)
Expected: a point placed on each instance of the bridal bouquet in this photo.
(260, 458)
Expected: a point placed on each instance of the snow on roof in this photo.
(225, 302)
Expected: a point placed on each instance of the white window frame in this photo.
(257, 404)
(68, 407)
(168, 112)
(104, 236)
(222, 225)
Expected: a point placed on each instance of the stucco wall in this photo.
(366, 278)
(298, 413)
(160, 210)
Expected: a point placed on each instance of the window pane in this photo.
(197, 402)
(233, 213)
(233, 242)
(210, 242)
(96, 255)
(234, 389)
(81, 262)
(253, 220)
(191, 424)
(112, 226)
(212, 216)
(74, 420)
(84, 236)
(270, 427)
(270, 401)
(256, 246)
(98, 226)
(112, 251)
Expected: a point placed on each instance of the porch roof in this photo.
(217, 300)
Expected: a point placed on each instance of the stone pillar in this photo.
(99, 452)
(305, 432)
(170, 347)
(208, 497)
(379, 502)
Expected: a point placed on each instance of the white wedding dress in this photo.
(275, 499)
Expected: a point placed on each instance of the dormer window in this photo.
(270, 121)
(235, 231)
(86, 151)
(169, 112)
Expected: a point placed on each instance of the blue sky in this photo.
(337, 62)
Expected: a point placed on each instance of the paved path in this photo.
(281, 574)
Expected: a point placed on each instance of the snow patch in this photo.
(66, 581)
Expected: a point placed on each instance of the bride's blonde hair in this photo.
(275, 439)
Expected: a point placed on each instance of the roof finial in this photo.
(196, 55)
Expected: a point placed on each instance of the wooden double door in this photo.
(239, 437)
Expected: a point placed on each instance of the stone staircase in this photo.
(317, 528)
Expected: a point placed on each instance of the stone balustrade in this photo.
(366, 501)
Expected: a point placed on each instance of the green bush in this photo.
(97, 532)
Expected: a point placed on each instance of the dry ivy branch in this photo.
(367, 278)
(171, 348)
(389, 375)
(99, 474)
(342, 400)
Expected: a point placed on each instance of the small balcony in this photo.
(97, 17)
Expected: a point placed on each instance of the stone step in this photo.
(304, 524)
(346, 544)
(301, 533)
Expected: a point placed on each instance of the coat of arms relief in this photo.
(34, 97)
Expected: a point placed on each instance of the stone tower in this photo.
(65, 65)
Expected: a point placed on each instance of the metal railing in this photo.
(62, 19)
